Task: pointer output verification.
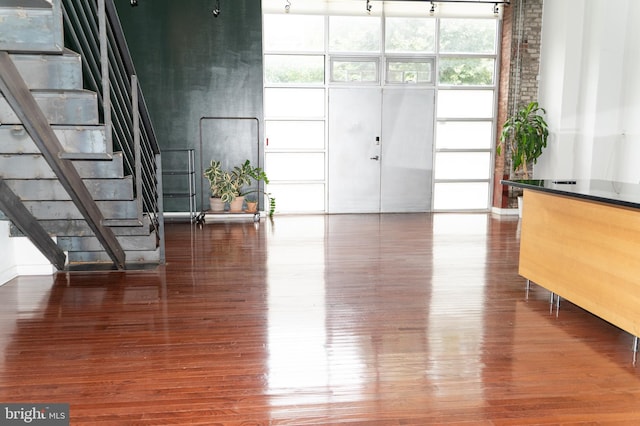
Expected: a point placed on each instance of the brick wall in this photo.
(519, 70)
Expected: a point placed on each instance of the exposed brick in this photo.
(520, 67)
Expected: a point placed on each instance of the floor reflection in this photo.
(457, 305)
(368, 319)
(297, 335)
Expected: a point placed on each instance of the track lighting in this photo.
(134, 3)
(368, 6)
(433, 9)
(287, 7)
(496, 9)
(216, 11)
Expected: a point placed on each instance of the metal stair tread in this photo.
(90, 243)
(111, 210)
(26, 4)
(31, 26)
(79, 107)
(30, 166)
(75, 139)
(132, 256)
(79, 227)
(113, 223)
(108, 266)
(52, 189)
(86, 156)
(61, 71)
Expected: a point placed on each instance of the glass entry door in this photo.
(380, 150)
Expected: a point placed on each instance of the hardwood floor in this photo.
(410, 319)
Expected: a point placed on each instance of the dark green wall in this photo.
(192, 65)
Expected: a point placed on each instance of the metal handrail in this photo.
(93, 29)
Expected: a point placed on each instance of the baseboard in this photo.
(504, 212)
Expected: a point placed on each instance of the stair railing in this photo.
(93, 29)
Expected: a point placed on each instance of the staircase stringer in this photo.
(15, 210)
(25, 107)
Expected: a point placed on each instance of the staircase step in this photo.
(78, 107)
(51, 189)
(34, 166)
(136, 243)
(80, 228)
(50, 72)
(31, 26)
(74, 139)
(116, 210)
(132, 257)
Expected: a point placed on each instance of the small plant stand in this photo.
(209, 216)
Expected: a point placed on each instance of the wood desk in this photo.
(582, 241)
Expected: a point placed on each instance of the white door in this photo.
(407, 150)
(380, 150)
(354, 150)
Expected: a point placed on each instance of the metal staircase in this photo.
(81, 165)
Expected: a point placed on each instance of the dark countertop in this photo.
(604, 191)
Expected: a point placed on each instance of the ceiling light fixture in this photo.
(368, 6)
(287, 7)
(433, 9)
(216, 11)
(134, 3)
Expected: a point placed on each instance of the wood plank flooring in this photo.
(412, 319)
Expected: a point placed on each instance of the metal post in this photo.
(104, 64)
(136, 141)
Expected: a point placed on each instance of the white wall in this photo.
(588, 84)
(7, 258)
(19, 257)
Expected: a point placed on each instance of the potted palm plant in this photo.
(525, 135)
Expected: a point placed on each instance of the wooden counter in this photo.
(582, 242)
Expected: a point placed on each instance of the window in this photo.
(410, 35)
(468, 35)
(338, 44)
(466, 71)
(293, 33)
(362, 70)
(403, 71)
(285, 69)
(464, 135)
(292, 103)
(460, 195)
(462, 165)
(354, 34)
(465, 104)
(295, 135)
(294, 108)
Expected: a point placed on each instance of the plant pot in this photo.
(236, 204)
(216, 204)
(252, 206)
(520, 205)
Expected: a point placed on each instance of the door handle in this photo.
(377, 157)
